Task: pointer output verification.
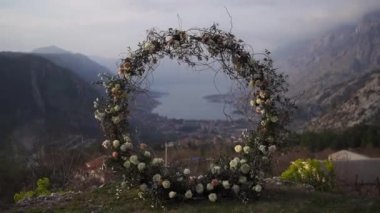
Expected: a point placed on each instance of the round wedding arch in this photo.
(239, 177)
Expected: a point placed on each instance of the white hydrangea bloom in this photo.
(166, 184)
(242, 179)
(116, 143)
(233, 164)
(216, 169)
(245, 168)
(238, 148)
(226, 184)
(127, 164)
(157, 161)
(236, 188)
(257, 188)
(199, 188)
(246, 149)
(172, 194)
(186, 171)
(243, 161)
(147, 154)
(212, 197)
(141, 166)
(188, 194)
(156, 178)
(134, 159)
(209, 187)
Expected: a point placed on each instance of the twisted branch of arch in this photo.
(196, 47)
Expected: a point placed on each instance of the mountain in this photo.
(50, 50)
(42, 101)
(325, 72)
(361, 104)
(82, 65)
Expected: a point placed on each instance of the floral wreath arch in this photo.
(240, 177)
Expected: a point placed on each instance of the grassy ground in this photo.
(279, 200)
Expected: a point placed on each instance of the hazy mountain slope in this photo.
(41, 101)
(83, 66)
(322, 72)
(361, 105)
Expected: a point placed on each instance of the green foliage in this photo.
(353, 137)
(319, 174)
(43, 186)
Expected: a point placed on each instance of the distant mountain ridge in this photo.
(82, 65)
(41, 100)
(322, 72)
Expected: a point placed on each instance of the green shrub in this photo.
(319, 174)
(43, 186)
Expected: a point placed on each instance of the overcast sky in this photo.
(107, 27)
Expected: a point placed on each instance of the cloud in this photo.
(108, 27)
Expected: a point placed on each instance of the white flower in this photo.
(237, 159)
(116, 108)
(233, 164)
(172, 194)
(259, 101)
(99, 115)
(168, 38)
(166, 184)
(262, 94)
(199, 188)
(257, 188)
(124, 147)
(141, 166)
(272, 148)
(106, 144)
(116, 143)
(116, 119)
(252, 102)
(246, 149)
(274, 119)
(147, 154)
(157, 161)
(134, 159)
(245, 168)
(242, 179)
(156, 178)
(148, 46)
(226, 184)
(143, 187)
(212, 197)
(188, 194)
(243, 161)
(262, 148)
(209, 187)
(238, 148)
(216, 170)
(235, 188)
(127, 164)
(186, 171)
